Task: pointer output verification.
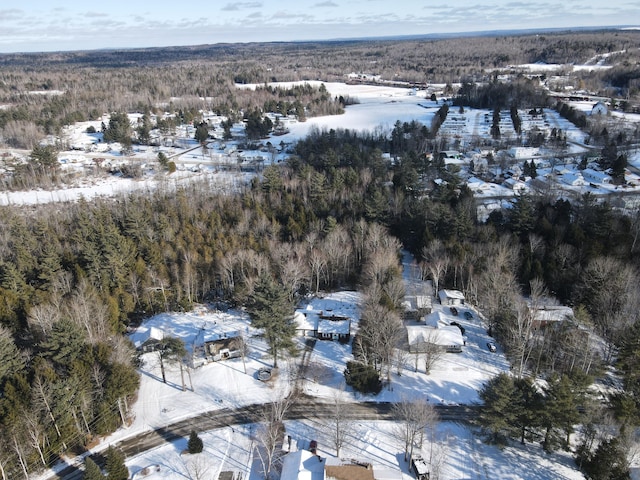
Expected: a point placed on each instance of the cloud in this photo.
(328, 3)
(232, 7)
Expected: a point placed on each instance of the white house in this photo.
(572, 179)
(447, 337)
(599, 108)
(451, 297)
(596, 176)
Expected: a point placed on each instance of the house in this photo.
(572, 179)
(436, 330)
(223, 347)
(302, 465)
(596, 176)
(416, 306)
(599, 108)
(548, 314)
(321, 325)
(334, 327)
(147, 339)
(451, 297)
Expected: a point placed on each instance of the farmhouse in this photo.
(451, 297)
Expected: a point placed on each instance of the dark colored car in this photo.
(468, 315)
(492, 347)
(454, 311)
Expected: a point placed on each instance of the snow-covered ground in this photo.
(455, 379)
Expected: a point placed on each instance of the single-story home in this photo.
(323, 326)
(448, 338)
(596, 176)
(334, 327)
(548, 314)
(451, 297)
(147, 339)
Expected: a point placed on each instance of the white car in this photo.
(492, 347)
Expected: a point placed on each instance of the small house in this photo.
(451, 297)
(334, 327)
(600, 108)
(223, 346)
(447, 337)
(147, 339)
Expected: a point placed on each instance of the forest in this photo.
(75, 277)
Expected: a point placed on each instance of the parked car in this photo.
(454, 311)
(468, 315)
(492, 347)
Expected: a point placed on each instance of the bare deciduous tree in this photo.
(413, 417)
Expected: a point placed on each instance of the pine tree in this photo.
(92, 470)
(195, 444)
(116, 469)
(498, 416)
(270, 309)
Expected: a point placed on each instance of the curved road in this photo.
(304, 407)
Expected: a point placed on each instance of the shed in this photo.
(451, 297)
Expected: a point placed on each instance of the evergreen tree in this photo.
(92, 470)
(498, 416)
(563, 397)
(116, 469)
(202, 133)
(608, 462)
(270, 309)
(195, 444)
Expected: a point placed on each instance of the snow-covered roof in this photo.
(144, 334)
(453, 294)
(302, 465)
(436, 319)
(444, 336)
(556, 313)
(334, 326)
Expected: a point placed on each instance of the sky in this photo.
(63, 25)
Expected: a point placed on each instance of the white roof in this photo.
(444, 336)
(436, 319)
(552, 313)
(142, 334)
(302, 465)
(334, 326)
(451, 294)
